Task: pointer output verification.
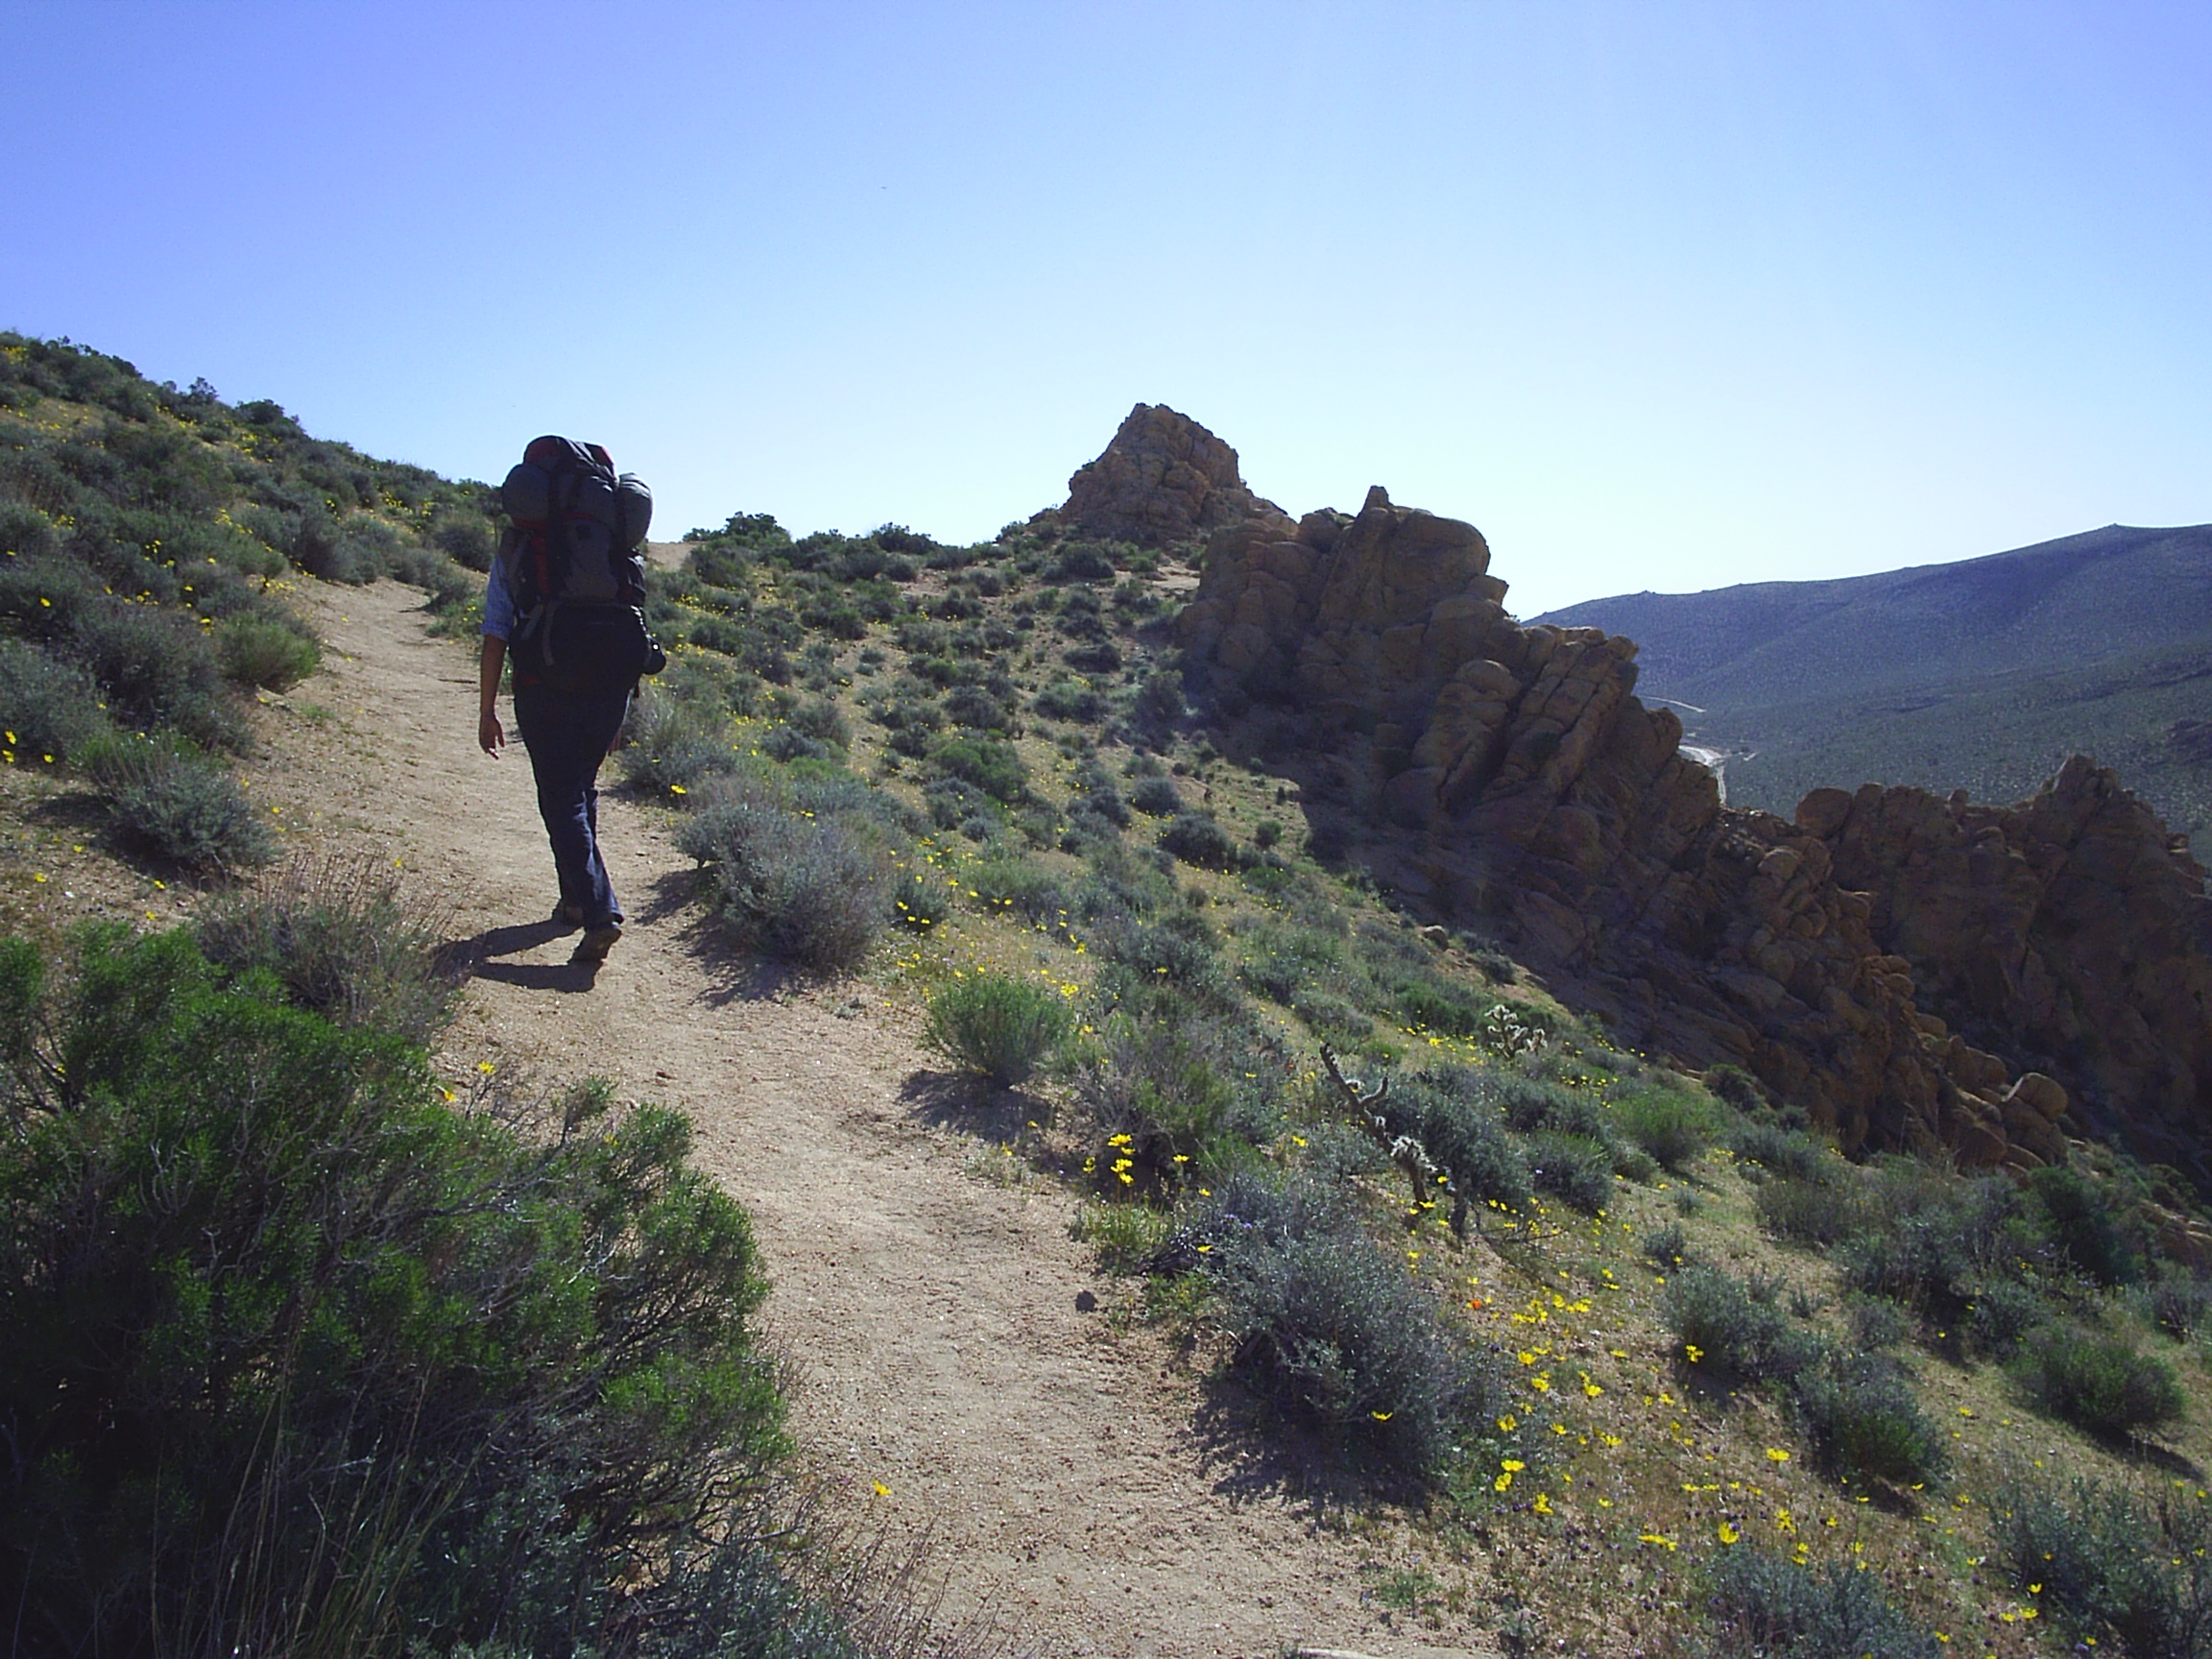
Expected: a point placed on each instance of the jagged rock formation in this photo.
(2069, 926)
(1163, 480)
(1507, 773)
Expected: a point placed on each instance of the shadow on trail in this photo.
(733, 972)
(949, 1100)
(474, 958)
(1251, 1455)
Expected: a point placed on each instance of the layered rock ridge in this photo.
(1506, 775)
(1164, 479)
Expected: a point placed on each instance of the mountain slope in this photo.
(1981, 675)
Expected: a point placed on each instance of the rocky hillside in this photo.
(1506, 776)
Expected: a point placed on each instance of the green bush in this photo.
(166, 798)
(1772, 1608)
(806, 889)
(1157, 797)
(2079, 1217)
(2105, 1384)
(1072, 699)
(1195, 838)
(2116, 1568)
(1736, 1332)
(299, 1359)
(1463, 1132)
(1010, 883)
(1930, 1240)
(256, 652)
(1329, 1331)
(1859, 1412)
(1188, 1088)
(1576, 1169)
(1673, 1128)
(991, 764)
(672, 742)
(47, 706)
(997, 1027)
(341, 942)
(157, 671)
(1790, 1153)
(1809, 1213)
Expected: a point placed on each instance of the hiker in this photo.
(563, 603)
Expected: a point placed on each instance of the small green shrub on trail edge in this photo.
(1330, 1331)
(2115, 1567)
(2101, 1384)
(256, 652)
(805, 889)
(172, 801)
(1775, 1609)
(998, 1028)
(284, 1330)
(342, 945)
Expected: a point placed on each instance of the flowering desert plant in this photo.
(997, 1027)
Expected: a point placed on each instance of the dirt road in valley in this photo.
(931, 1305)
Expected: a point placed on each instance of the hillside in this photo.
(1983, 674)
(987, 929)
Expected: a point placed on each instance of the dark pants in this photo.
(568, 734)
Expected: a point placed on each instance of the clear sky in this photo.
(1661, 294)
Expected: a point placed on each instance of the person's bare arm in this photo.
(490, 735)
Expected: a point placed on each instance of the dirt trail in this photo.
(933, 1308)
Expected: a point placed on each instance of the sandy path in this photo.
(933, 1310)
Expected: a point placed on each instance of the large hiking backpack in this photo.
(573, 568)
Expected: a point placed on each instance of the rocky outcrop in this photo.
(2070, 928)
(1505, 772)
(1164, 479)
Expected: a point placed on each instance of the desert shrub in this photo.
(2115, 1567)
(1772, 1608)
(2102, 1384)
(1329, 1331)
(1266, 832)
(1673, 1127)
(1462, 1131)
(1184, 1086)
(991, 764)
(1124, 1234)
(1081, 561)
(1195, 838)
(257, 652)
(1785, 1152)
(2081, 1220)
(672, 742)
(157, 671)
(282, 1327)
(47, 706)
(1929, 1240)
(1156, 796)
(997, 1027)
(1736, 1087)
(1072, 699)
(1876, 1323)
(1010, 883)
(1426, 1003)
(1159, 698)
(166, 798)
(1575, 1168)
(1859, 1412)
(919, 898)
(805, 889)
(1734, 1331)
(1531, 1105)
(341, 942)
(1331, 1018)
(2176, 1300)
(1808, 1213)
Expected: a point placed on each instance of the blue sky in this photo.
(1666, 294)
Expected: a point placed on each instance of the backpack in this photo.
(573, 568)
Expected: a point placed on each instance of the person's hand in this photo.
(491, 735)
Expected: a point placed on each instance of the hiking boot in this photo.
(569, 915)
(597, 941)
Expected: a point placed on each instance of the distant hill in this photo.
(1981, 675)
